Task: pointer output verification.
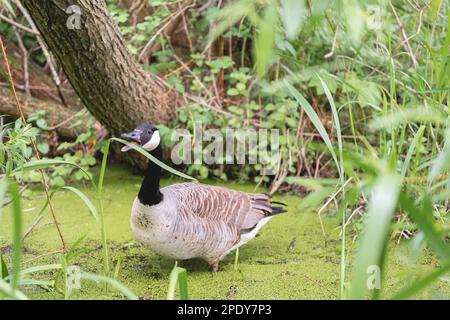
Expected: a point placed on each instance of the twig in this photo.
(30, 229)
(334, 45)
(405, 37)
(26, 75)
(319, 213)
(152, 39)
(185, 26)
(18, 25)
(33, 143)
(45, 51)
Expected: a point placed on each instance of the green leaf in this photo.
(10, 292)
(293, 14)
(442, 162)
(3, 268)
(41, 268)
(3, 185)
(411, 149)
(337, 125)
(314, 118)
(233, 92)
(372, 243)
(43, 147)
(17, 233)
(154, 160)
(116, 284)
(369, 94)
(86, 201)
(265, 39)
(47, 163)
(422, 283)
(424, 219)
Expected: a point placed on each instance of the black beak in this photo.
(135, 136)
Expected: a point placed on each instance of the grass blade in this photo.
(423, 217)
(17, 234)
(337, 125)
(154, 160)
(178, 275)
(114, 283)
(11, 293)
(314, 118)
(3, 186)
(101, 215)
(442, 162)
(422, 283)
(3, 268)
(48, 163)
(411, 149)
(86, 201)
(372, 244)
(265, 39)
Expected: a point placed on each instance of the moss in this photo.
(288, 260)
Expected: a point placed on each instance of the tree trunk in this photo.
(112, 85)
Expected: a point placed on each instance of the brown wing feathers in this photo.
(241, 210)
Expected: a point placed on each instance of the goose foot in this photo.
(215, 266)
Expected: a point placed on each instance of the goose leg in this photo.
(215, 266)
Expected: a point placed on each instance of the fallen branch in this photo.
(57, 117)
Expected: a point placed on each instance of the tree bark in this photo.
(112, 85)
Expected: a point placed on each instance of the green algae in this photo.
(290, 259)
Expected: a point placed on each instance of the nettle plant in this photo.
(15, 145)
(16, 150)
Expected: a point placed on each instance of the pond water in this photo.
(290, 259)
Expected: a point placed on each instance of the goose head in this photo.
(145, 135)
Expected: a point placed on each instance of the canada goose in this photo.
(192, 220)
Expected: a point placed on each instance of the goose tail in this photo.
(277, 209)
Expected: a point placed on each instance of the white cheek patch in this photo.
(153, 142)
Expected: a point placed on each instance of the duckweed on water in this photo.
(288, 260)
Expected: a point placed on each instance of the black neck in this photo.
(149, 193)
